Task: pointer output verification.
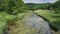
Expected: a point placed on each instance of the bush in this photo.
(12, 6)
(57, 10)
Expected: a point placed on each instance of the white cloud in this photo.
(39, 1)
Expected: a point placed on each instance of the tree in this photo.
(57, 6)
(13, 6)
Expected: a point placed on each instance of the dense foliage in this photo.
(12, 6)
(57, 6)
(49, 6)
(32, 6)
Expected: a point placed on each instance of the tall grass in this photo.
(5, 19)
(2, 21)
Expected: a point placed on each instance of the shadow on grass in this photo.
(56, 24)
(56, 16)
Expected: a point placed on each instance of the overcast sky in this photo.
(39, 1)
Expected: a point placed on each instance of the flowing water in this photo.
(34, 21)
(32, 24)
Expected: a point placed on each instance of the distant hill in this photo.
(33, 6)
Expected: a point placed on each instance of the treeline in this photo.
(55, 6)
(32, 6)
(12, 6)
(49, 6)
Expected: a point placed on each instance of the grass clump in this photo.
(2, 21)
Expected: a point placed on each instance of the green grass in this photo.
(2, 21)
(2, 25)
(5, 18)
(50, 16)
